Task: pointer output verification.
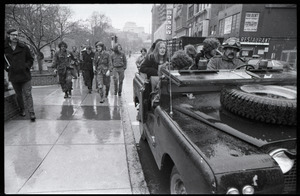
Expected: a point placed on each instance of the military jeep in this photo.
(221, 131)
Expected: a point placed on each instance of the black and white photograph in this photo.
(150, 98)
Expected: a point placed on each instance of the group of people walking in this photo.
(103, 64)
(100, 65)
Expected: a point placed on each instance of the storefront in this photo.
(254, 46)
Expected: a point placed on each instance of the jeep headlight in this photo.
(284, 162)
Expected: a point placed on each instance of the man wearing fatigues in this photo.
(119, 66)
(103, 68)
(62, 63)
(229, 59)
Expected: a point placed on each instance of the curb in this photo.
(136, 175)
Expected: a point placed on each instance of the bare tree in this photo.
(99, 24)
(41, 24)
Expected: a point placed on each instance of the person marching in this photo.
(18, 62)
(62, 63)
(119, 66)
(103, 67)
(87, 67)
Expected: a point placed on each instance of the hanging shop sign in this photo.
(251, 22)
(169, 21)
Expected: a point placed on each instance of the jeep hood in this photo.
(207, 108)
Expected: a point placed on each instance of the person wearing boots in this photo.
(62, 63)
(119, 62)
(18, 62)
(103, 67)
(87, 67)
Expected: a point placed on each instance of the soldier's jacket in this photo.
(119, 60)
(222, 62)
(102, 62)
(62, 60)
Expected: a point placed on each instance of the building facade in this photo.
(267, 30)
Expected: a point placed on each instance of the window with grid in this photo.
(236, 22)
(221, 27)
(196, 8)
(178, 23)
(191, 11)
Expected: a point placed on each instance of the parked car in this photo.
(221, 131)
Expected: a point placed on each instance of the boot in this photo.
(101, 95)
(66, 95)
(32, 116)
(22, 112)
(70, 92)
(107, 91)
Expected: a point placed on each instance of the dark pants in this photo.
(65, 80)
(118, 77)
(24, 88)
(88, 76)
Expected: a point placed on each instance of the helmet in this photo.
(232, 42)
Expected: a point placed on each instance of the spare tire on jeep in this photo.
(265, 103)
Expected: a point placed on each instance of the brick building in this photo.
(267, 30)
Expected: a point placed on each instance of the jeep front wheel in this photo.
(176, 183)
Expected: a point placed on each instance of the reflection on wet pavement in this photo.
(68, 149)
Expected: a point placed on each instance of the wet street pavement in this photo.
(76, 145)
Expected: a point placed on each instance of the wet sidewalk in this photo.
(75, 146)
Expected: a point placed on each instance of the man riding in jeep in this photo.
(229, 59)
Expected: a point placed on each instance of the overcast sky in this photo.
(118, 13)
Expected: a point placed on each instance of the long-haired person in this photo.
(155, 59)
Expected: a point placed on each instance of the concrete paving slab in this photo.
(93, 132)
(56, 100)
(20, 163)
(28, 133)
(76, 168)
(52, 112)
(94, 99)
(97, 113)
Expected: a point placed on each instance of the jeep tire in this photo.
(260, 106)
